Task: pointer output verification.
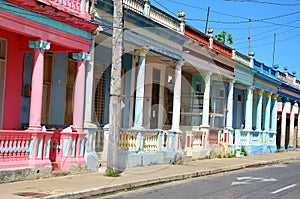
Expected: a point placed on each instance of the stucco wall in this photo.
(13, 83)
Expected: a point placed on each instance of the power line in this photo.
(246, 21)
(265, 2)
(199, 8)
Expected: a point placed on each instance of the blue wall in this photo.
(58, 89)
(127, 65)
(25, 101)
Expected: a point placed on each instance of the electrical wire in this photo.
(265, 2)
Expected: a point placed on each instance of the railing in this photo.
(242, 58)
(134, 5)
(196, 35)
(128, 141)
(143, 140)
(223, 49)
(39, 149)
(151, 142)
(14, 146)
(163, 19)
(78, 8)
(153, 13)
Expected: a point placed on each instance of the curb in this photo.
(171, 178)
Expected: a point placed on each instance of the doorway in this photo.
(155, 99)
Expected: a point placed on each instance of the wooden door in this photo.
(48, 64)
(155, 99)
(70, 81)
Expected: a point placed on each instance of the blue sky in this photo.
(267, 16)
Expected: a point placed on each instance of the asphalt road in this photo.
(276, 181)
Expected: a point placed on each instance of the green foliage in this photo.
(279, 151)
(112, 174)
(232, 155)
(244, 151)
(221, 37)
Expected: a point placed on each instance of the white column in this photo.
(267, 112)
(249, 103)
(177, 97)
(259, 110)
(283, 124)
(229, 115)
(292, 126)
(205, 113)
(140, 88)
(274, 113)
(90, 155)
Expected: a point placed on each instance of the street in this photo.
(276, 181)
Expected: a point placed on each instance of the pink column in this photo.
(79, 88)
(37, 84)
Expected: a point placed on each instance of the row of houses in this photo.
(182, 92)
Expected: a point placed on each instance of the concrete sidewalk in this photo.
(78, 186)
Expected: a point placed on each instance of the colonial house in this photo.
(43, 48)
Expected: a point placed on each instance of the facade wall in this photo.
(13, 84)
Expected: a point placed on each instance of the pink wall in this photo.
(13, 85)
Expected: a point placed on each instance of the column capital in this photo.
(206, 76)
(142, 51)
(268, 94)
(250, 88)
(274, 96)
(39, 45)
(284, 99)
(293, 102)
(231, 81)
(260, 91)
(81, 56)
(179, 64)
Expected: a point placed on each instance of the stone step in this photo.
(187, 158)
(55, 166)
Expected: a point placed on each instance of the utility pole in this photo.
(249, 36)
(273, 59)
(208, 10)
(115, 87)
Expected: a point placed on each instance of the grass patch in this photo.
(279, 151)
(112, 174)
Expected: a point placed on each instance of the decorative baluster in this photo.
(1, 148)
(13, 148)
(120, 140)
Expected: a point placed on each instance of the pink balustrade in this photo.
(14, 148)
(38, 149)
(79, 8)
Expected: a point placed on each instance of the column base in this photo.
(282, 148)
(204, 126)
(291, 148)
(138, 127)
(34, 128)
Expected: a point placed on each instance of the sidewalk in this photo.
(84, 185)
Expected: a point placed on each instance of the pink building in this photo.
(43, 48)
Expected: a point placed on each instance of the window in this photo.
(100, 76)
